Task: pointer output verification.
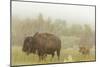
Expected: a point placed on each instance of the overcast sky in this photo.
(69, 13)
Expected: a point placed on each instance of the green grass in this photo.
(67, 55)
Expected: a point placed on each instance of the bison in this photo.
(43, 44)
(84, 50)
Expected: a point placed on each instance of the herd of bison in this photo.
(43, 44)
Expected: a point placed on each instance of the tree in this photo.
(76, 30)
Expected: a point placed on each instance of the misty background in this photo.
(69, 13)
(74, 24)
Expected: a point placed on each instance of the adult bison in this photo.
(44, 44)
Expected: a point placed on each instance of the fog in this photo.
(72, 14)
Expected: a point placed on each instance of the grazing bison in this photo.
(44, 44)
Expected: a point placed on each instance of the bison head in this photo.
(28, 46)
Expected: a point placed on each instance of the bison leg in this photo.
(58, 54)
(40, 57)
(52, 56)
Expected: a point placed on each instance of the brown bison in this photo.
(44, 44)
(84, 50)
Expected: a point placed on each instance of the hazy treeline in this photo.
(22, 28)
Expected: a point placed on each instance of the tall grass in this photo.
(67, 55)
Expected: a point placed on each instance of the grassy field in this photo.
(67, 55)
